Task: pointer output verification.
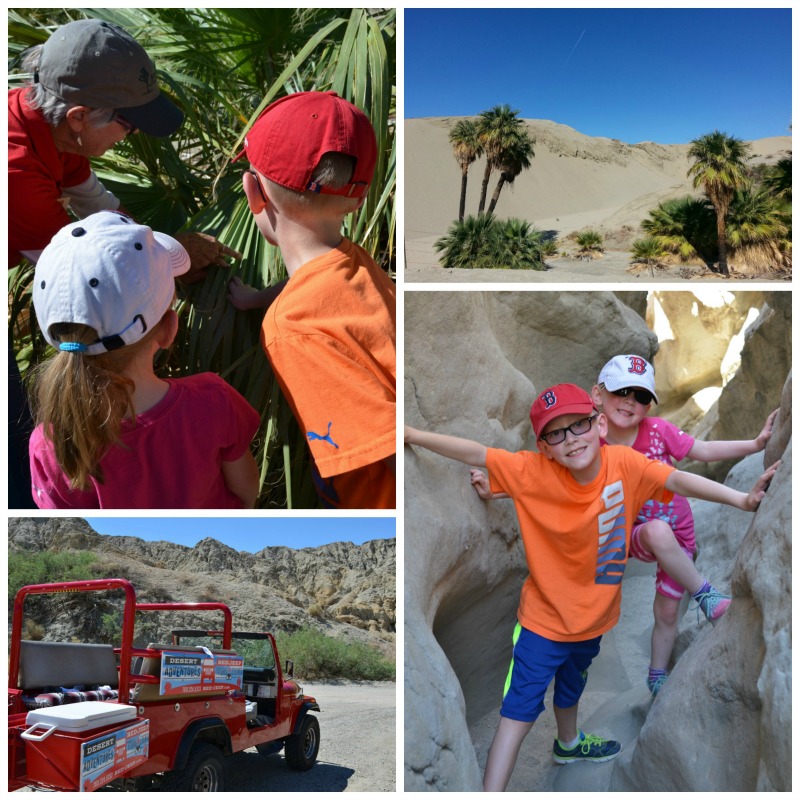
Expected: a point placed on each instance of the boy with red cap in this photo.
(330, 334)
(576, 502)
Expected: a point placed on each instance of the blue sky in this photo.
(664, 75)
(252, 533)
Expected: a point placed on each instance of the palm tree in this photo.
(516, 244)
(512, 161)
(499, 129)
(685, 226)
(483, 242)
(222, 67)
(590, 242)
(757, 229)
(466, 148)
(465, 242)
(648, 251)
(779, 179)
(719, 167)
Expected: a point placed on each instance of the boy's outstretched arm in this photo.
(464, 450)
(690, 485)
(719, 451)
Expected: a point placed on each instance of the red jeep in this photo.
(164, 716)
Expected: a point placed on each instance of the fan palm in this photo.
(754, 217)
(483, 242)
(589, 242)
(499, 129)
(685, 226)
(465, 243)
(512, 161)
(466, 148)
(648, 251)
(222, 67)
(516, 244)
(779, 179)
(720, 168)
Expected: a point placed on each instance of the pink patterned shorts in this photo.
(664, 584)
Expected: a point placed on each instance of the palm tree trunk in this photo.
(722, 242)
(484, 187)
(462, 204)
(496, 195)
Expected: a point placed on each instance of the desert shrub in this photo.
(550, 248)
(26, 569)
(589, 241)
(316, 655)
(32, 631)
(316, 610)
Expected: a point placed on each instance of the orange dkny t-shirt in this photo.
(330, 337)
(576, 536)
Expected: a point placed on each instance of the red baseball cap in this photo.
(292, 134)
(564, 398)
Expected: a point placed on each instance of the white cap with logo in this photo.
(109, 273)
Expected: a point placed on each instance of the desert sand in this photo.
(575, 182)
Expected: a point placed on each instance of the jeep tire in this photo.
(302, 747)
(204, 771)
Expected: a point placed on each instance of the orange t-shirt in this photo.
(576, 536)
(330, 337)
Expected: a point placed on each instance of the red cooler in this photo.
(83, 746)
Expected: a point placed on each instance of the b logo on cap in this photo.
(549, 399)
(638, 365)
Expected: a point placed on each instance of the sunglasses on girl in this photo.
(640, 395)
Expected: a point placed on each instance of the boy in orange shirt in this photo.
(330, 334)
(576, 502)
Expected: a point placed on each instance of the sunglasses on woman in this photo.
(129, 127)
(640, 395)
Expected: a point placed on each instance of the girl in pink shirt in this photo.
(111, 433)
(664, 532)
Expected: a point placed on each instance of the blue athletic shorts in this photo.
(535, 662)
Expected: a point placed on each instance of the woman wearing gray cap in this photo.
(93, 85)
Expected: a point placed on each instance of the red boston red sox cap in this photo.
(290, 137)
(564, 398)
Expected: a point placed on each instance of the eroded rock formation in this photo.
(344, 589)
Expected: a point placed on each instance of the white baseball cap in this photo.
(630, 371)
(109, 273)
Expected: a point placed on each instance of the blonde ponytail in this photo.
(81, 400)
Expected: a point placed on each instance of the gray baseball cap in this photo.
(97, 64)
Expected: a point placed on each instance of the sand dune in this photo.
(575, 181)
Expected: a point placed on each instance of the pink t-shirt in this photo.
(663, 441)
(170, 458)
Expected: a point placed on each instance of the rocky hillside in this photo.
(345, 590)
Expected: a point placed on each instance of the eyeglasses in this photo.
(640, 395)
(578, 428)
(129, 128)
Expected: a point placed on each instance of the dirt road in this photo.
(357, 745)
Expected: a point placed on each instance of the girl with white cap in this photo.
(111, 433)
